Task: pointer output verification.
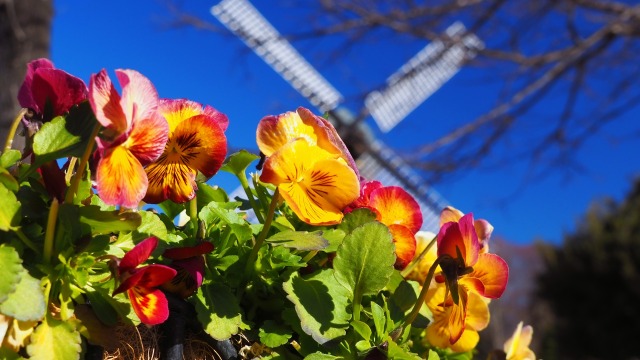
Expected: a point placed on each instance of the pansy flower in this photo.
(189, 263)
(50, 92)
(397, 209)
(465, 269)
(483, 227)
(274, 132)
(444, 312)
(310, 165)
(316, 184)
(517, 347)
(134, 135)
(196, 144)
(141, 283)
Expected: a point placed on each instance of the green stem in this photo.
(27, 241)
(245, 185)
(193, 213)
(75, 181)
(417, 260)
(357, 304)
(50, 232)
(423, 294)
(309, 256)
(12, 131)
(263, 234)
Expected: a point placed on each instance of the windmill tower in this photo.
(405, 90)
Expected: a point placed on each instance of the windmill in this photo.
(405, 90)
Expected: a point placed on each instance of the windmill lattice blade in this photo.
(420, 77)
(244, 20)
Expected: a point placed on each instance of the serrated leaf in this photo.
(54, 339)
(274, 335)
(397, 352)
(10, 213)
(219, 311)
(105, 222)
(321, 305)
(11, 271)
(364, 261)
(9, 158)
(300, 240)
(238, 162)
(64, 136)
(26, 303)
(356, 218)
(334, 237)
(150, 225)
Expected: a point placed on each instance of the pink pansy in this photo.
(141, 283)
(134, 135)
(48, 91)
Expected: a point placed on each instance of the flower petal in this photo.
(155, 275)
(120, 178)
(59, 89)
(462, 236)
(25, 94)
(105, 102)
(274, 132)
(148, 138)
(366, 188)
(176, 111)
(181, 253)
(396, 206)
(405, 244)
(139, 97)
(449, 214)
(477, 312)
(489, 277)
(457, 318)
(173, 181)
(139, 254)
(150, 305)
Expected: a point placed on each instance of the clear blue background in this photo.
(219, 70)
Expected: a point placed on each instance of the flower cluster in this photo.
(327, 270)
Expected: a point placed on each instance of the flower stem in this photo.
(50, 232)
(263, 234)
(423, 294)
(75, 181)
(245, 185)
(193, 213)
(357, 304)
(417, 260)
(309, 256)
(12, 131)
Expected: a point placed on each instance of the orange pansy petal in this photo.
(177, 111)
(170, 180)
(150, 305)
(405, 244)
(396, 206)
(477, 312)
(449, 214)
(489, 277)
(274, 132)
(201, 144)
(148, 138)
(120, 178)
(457, 317)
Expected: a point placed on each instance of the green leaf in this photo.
(274, 335)
(300, 240)
(9, 158)
(334, 237)
(105, 222)
(7, 354)
(362, 329)
(356, 218)
(215, 211)
(397, 352)
(171, 209)
(364, 262)
(54, 339)
(219, 311)
(238, 162)
(8, 180)
(151, 225)
(26, 303)
(10, 213)
(320, 356)
(321, 305)
(207, 194)
(11, 271)
(64, 136)
(379, 319)
(102, 308)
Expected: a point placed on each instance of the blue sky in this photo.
(219, 70)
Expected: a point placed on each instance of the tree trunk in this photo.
(25, 34)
